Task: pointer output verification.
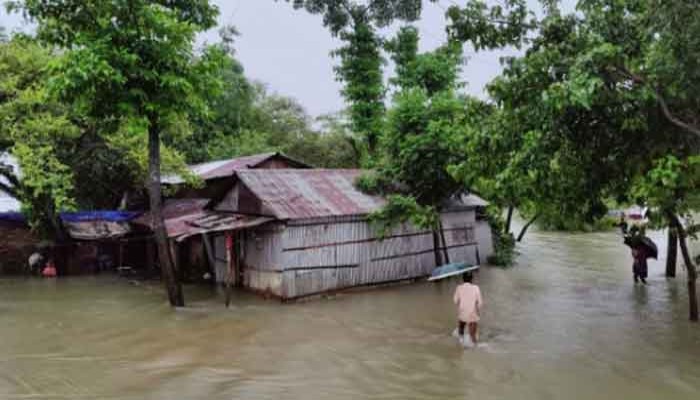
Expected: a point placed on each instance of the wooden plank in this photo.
(209, 251)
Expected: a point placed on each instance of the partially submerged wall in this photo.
(310, 257)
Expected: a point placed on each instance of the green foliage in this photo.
(401, 209)
(671, 187)
(361, 71)
(242, 144)
(338, 14)
(435, 71)
(276, 123)
(571, 128)
(231, 108)
(124, 71)
(34, 129)
(487, 27)
(503, 242)
(361, 59)
(417, 144)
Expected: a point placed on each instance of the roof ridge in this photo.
(265, 155)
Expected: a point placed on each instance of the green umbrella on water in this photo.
(448, 270)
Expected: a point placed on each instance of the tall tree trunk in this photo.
(155, 196)
(690, 267)
(532, 220)
(446, 255)
(436, 248)
(671, 253)
(509, 219)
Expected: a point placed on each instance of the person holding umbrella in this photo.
(639, 266)
(642, 248)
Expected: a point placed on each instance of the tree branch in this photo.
(672, 118)
(527, 225)
(662, 103)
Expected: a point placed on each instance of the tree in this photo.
(573, 132)
(361, 59)
(34, 128)
(361, 71)
(66, 163)
(276, 123)
(230, 110)
(338, 14)
(672, 187)
(672, 253)
(416, 147)
(655, 43)
(131, 64)
(579, 127)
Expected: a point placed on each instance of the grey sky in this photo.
(289, 50)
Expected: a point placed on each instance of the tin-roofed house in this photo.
(187, 218)
(308, 233)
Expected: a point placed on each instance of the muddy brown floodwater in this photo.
(567, 322)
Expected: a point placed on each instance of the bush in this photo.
(503, 249)
(503, 243)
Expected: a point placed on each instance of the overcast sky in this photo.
(289, 49)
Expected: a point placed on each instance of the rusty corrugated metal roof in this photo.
(217, 222)
(175, 213)
(189, 217)
(315, 193)
(309, 193)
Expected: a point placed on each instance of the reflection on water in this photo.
(567, 322)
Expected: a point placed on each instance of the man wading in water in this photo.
(469, 303)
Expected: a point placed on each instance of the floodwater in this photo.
(567, 322)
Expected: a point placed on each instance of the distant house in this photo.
(218, 175)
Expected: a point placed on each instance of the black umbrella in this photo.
(644, 243)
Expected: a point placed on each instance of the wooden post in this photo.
(121, 254)
(436, 248)
(238, 259)
(172, 285)
(210, 253)
(445, 253)
(230, 267)
(672, 253)
(174, 256)
(689, 265)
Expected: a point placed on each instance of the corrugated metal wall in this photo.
(342, 253)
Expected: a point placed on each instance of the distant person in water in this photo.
(50, 270)
(469, 304)
(639, 253)
(639, 267)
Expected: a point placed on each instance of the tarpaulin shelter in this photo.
(98, 225)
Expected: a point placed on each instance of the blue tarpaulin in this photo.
(13, 217)
(107, 216)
